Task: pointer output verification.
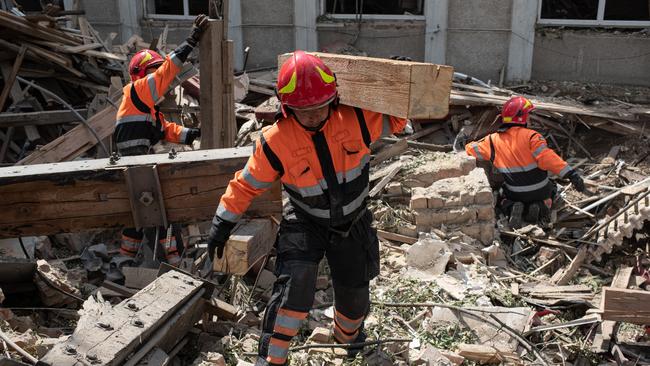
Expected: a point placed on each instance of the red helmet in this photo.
(141, 61)
(516, 110)
(304, 82)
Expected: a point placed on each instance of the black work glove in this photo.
(577, 181)
(192, 135)
(199, 26)
(219, 234)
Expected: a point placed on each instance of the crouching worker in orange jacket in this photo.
(320, 152)
(140, 124)
(523, 157)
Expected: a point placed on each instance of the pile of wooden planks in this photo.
(56, 71)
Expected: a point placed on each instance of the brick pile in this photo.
(454, 194)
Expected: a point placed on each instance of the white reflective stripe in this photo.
(287, 322)
(564, 171)
(278, 352)
(325, 214)
(355, 172)
(183, 138)
(352, 206)
(529, 188)
(152, 88)
(539, 150)
(316, 212)
(223, 213)
(518, 169)
(248, 177)
(478, 153)
(310, 191)
(175, 59)
(132, 143)
(386, 130)
(346, 324)
(135, 118)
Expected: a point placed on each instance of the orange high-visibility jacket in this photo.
(523, 157)
(324, 173)
(139, 121)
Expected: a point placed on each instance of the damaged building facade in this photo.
(510, 40)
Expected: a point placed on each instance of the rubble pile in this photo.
(458, 285)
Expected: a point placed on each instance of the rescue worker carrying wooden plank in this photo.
(524, 158)
(319, 150)
(140, 124)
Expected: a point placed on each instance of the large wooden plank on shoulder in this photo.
(398, 88)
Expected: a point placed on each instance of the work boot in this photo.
(532, 216)
(361, 337)
(515, 215)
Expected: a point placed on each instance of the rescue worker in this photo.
(524, 158)
(319, 150)
(140, 124)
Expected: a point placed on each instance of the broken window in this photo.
(595, 12)
(177, 7)
(385, 7)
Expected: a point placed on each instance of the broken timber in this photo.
(398, 88)
(625, 305)
(159, 315)
(217, 99)
(67, 197)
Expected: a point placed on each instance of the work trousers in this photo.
(353, 257)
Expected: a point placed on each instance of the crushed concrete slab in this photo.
(427, 258)
(429, 355)
(516, 318)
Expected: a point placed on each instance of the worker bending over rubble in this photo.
(319, 149)
(140, 124)
(524, 158)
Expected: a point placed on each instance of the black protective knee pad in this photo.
(353, 302)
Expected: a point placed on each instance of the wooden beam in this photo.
(217, 99)
(397, 88)
(607, 328)
(132, 324)
(77, 141)
(623, 305)
(247, 245)
(67, 197)
(564, 275)
(40, 118)
(9, 81)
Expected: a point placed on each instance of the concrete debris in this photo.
(427, 258)
(429, 356)
(55, 286)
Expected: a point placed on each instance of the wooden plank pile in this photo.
(70, 67)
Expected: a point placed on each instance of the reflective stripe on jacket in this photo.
(523, 157)
(139, 121)
(324, 173)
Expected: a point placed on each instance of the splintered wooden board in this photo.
(155, 304)
(404, 89)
